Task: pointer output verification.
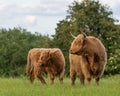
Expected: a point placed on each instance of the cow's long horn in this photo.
(72, 35)
(84, 34)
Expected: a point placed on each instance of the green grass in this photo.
(109, 86)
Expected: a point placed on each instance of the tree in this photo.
(15, 44)
(94, 19)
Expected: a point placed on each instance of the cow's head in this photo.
(78, 44)
(44, 58)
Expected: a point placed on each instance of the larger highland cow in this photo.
(50, 61)
(93, 56)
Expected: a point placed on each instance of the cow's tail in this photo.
(28, 68)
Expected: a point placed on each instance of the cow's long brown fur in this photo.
(93, 56)
(52, 63)
(33, 70)
(56, 64)
(75, 68)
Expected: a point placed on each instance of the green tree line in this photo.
(14, 46)
(88, 16)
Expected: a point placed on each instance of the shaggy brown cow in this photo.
(50, 61)
(55, 62)
(93, 56)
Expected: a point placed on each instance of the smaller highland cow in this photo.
(48, 60)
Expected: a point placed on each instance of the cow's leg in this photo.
(85, 69)
(41, 79)
(51, 76)
(82, 78)
(72, 76)
(81, 75)
(98, 75)
(32, 76)
(97, 80)
(38, 74)
(61, 75)
(99, 72)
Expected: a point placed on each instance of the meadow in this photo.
(109, 86)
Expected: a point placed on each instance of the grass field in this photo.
(109, 86)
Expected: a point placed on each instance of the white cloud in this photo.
(112, 3)
(30, 20)
(2, 6)
(114, 6)
(40, 15)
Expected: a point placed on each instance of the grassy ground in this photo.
(109, 86)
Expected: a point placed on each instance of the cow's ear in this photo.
(83, 39)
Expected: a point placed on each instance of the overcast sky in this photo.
(41, 15)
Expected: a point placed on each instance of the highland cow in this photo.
(93, 56)
(55, 62)
(47, 60)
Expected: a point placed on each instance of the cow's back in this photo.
(96, 46)
(34, 54)
(58, 59)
